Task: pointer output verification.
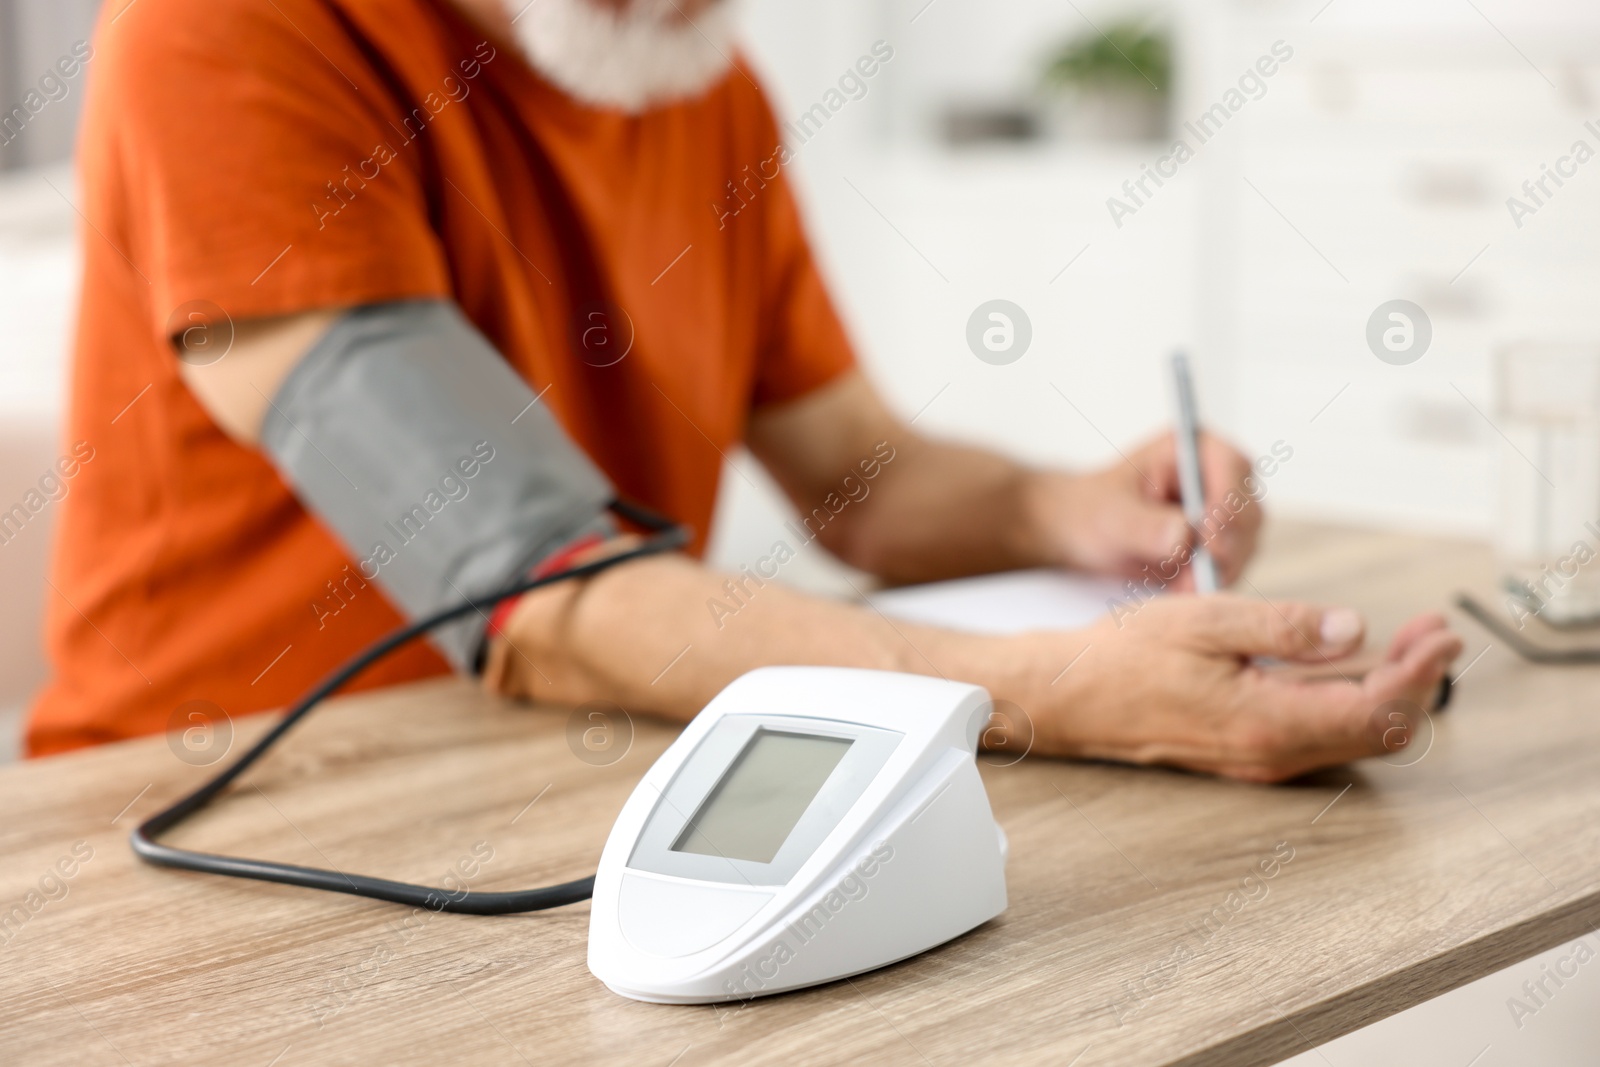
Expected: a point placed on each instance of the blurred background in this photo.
(1005, 151)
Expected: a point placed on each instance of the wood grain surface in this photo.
(1142, 929)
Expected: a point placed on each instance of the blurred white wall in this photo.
(1376, 166)
(33, 35)
(38, 287)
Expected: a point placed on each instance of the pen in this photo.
(1190, 484)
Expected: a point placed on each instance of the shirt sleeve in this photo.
(265, 173)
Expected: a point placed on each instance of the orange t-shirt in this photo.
(271, 158)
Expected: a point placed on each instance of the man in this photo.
(403, 213)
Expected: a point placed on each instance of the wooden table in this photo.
(1133, 935)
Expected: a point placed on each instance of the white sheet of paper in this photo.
(1006, 603)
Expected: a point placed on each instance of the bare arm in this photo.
(1173, 685)
(236, 389)
(935, 510)
(942, 510)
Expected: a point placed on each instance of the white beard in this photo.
(645, 56)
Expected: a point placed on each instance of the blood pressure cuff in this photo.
(408, 435)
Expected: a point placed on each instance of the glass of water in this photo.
(1547, 531)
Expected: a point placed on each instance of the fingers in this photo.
(1287, 728)
(1157, 464)
(1241, 627)
(1223, 468)
(1232, 548)
(1233, 519)
(499, 670)
(1269, 726)
(1411, 632)
(1231, 508)
(1150, 531)
(1300, 726)
(1414, 676)
(1185, 694)
(1341, 721)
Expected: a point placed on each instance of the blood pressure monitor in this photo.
(811, 823)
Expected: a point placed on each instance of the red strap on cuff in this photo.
(546, 567)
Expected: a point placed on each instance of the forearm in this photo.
(943, 510)
(1174, 684)
(646, 635)
(886, 499)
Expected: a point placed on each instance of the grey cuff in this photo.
(432, 461)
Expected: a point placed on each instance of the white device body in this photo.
(896, 852)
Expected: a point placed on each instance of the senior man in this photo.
(398, 221)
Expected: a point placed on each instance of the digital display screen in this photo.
(763, 793)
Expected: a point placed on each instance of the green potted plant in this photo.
(1114, 85)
